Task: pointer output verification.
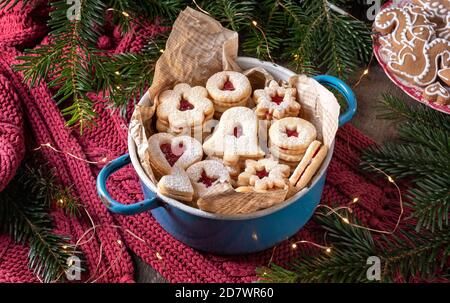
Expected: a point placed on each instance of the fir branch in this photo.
(231, 13)
(393, 108)
(409, 255)
(423, 155)
(126, 76)
(24, 215)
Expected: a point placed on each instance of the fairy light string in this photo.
(103, 160)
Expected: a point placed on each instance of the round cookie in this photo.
(228, 87)
(285, 156)
(292, 133)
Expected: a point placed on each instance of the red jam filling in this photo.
(237, 131)
(228, 85)
(291, 133)
(171, 155)
(185, 105)
(207, 180)
(277, 99)
(262, 173)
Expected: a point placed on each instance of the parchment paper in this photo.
(198, 47)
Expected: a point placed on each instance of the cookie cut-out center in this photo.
(277, 99)
(170, 154)
(237, 131)
(228, 85)
(291, 133)
(207, 180)
(185, 105)
(262, 173)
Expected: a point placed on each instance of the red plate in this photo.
(414, 92)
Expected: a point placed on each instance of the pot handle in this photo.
(113, 205)
(346, 91)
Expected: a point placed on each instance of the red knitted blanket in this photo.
(29, 117)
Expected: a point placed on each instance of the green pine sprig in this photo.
(24, 214)
(407, 256)
(422, 155)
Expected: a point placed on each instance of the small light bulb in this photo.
(328, 250)
(119, 242)
(64, 247)
(161, 50)
(355, 199)
(294, 246)
(345, 220)
(125, 14)
(118, 87)
(366, 72)
(254, 23)
(117, 73)
(60, 201)
(159, 256)
(390, 179)
(104, 159)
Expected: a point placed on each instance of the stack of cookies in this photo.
(184, 110)
(289, 138)
(228, 89)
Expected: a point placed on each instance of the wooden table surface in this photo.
(368, 94)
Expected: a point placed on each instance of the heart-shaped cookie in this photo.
(167, 151)
(208, 176)
(176, 185)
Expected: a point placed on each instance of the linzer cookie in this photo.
(265, 174)
(235, 137)
(183, 108)
(176, 185)
(276, 102)
(228, 89)
(167, 151)
(209, 176)
(289, 138)
(307, 168)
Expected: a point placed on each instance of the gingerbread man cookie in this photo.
(235, 136)
(276, 102)
(184, 107)
(265, 174)
(166, 151)
(208, 175)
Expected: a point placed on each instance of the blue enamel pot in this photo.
(222, 234)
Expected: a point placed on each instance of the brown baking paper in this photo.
(198, 47)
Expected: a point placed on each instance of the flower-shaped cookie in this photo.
(276, 102)
(265, 174)
(184, 106)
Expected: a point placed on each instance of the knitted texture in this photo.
(107, 258)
